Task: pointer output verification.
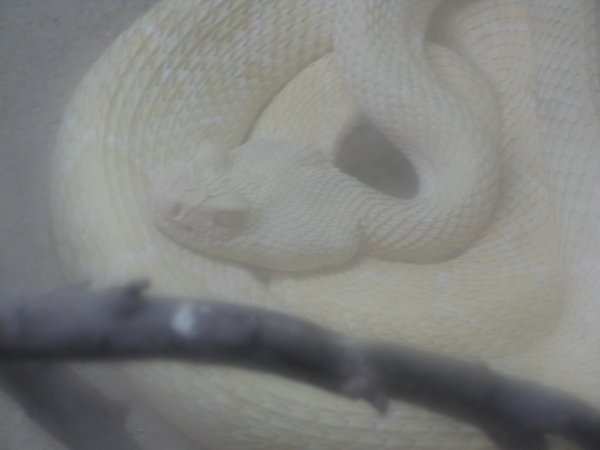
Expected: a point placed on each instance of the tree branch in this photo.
(124, 323)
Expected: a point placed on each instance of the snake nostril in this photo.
(175, 210)
(367, 155)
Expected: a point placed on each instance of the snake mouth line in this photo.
(367, 155)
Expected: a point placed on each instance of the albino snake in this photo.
(200, 147)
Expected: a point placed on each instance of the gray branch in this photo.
(123, 323)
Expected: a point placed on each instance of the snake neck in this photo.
(449, 213)
(409, 90)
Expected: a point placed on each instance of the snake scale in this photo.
(199, 151)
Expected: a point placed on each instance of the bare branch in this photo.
(124, 323)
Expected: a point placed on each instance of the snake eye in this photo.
(229, 218)
(228, 209)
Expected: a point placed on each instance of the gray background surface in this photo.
(46, 46)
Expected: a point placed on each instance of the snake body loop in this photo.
(202, 146)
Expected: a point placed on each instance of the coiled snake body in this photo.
(201, 145)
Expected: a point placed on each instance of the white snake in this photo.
(204, 138)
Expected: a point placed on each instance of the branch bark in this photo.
(122, 322)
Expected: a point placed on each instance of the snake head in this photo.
(200, 222)
(264, 207)
(191, 202)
